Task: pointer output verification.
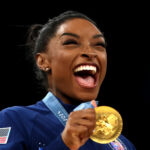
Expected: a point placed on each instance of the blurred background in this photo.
(127, 83)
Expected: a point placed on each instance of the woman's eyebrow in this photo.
(70, 34)
(98, 36)
(77, 36)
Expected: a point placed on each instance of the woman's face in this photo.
(77, 58)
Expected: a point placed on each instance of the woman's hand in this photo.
(79, 128)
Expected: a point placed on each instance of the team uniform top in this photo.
(35, 127)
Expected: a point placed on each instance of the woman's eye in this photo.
(69, 42)
(101, 44)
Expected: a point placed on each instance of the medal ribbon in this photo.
(58, 110)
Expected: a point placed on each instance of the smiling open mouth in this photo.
(86, 75)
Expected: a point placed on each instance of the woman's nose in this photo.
(88, 52)
(89, 55)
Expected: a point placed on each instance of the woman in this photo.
(71, 59)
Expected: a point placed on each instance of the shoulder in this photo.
(22, 113)
(21, 119)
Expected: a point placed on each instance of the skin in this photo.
(85, 46)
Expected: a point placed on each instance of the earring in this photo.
(46, 69)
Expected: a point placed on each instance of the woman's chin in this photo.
(86, 98)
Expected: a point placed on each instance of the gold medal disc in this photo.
(109, 125)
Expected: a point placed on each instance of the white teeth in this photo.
(86, 67)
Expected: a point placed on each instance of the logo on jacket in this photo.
(117, 145)
(4, 135)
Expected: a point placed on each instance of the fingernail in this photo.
(93, 102)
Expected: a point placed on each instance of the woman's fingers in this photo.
(79, 128)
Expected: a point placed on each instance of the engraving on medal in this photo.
(108, 125)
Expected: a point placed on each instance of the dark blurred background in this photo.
(127, 83)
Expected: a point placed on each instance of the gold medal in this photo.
(108, 125)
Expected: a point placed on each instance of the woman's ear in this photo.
(42, 62)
